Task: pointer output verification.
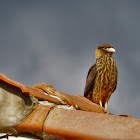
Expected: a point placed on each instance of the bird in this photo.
(102, 77)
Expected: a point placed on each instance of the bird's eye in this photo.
(104, 48)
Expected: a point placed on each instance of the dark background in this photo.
(54, 41)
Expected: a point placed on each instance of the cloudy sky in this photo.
(54, 41)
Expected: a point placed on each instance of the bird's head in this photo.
(104, 50)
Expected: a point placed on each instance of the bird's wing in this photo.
(90, 80)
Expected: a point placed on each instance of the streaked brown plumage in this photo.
(102, 77)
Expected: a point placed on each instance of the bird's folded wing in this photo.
(90, 80)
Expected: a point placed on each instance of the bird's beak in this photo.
(110, 50)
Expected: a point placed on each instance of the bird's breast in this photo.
(106, 79)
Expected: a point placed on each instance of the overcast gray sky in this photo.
(54, 41)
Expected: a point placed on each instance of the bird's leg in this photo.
(101, 103)
(106, 107)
